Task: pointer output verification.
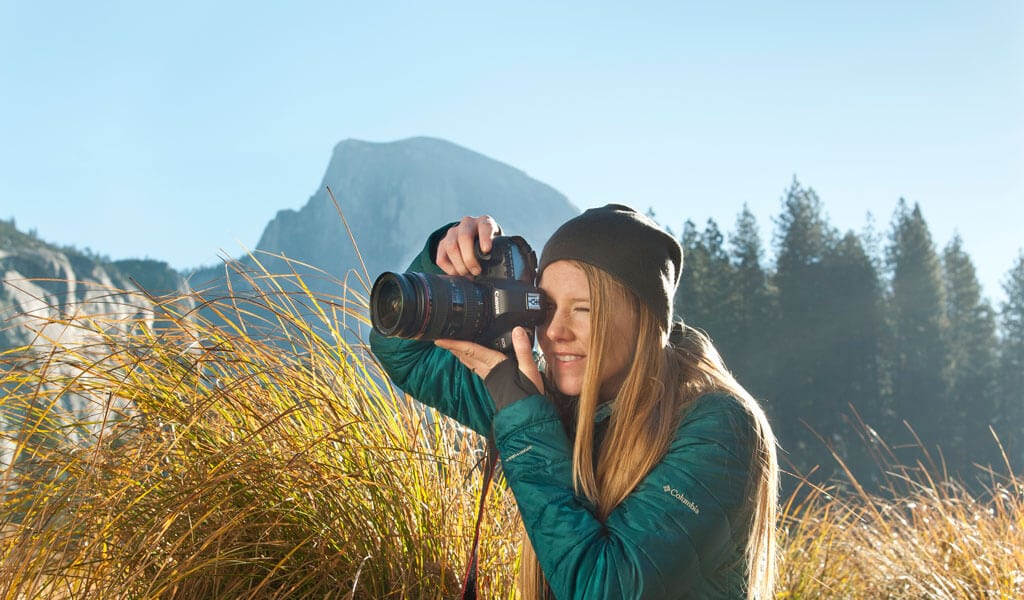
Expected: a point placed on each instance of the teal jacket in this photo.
(679, 534)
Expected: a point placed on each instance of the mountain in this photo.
(394, 194)
(391, 194)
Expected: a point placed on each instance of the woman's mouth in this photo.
(568, 358)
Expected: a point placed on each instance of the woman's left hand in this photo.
(482, 360)
(477, 358)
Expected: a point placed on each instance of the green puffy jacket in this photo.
(679, 534)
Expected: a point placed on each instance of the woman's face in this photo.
(565, 337)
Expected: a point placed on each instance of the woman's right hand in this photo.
(456, 252)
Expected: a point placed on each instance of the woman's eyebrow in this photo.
(570, 300)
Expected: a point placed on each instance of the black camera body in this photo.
(484, 309)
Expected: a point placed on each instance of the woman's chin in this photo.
(569, 387)
(568, 378)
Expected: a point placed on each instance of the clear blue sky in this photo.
(177, 130)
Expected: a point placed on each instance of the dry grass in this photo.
(924, 535)
(247, 450)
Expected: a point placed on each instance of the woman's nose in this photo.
(556, 328)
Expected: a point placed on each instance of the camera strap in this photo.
(469, 585)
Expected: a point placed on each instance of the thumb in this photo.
(524, 356)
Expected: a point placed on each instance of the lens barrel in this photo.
(429, 307)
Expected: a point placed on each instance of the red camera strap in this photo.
(469, 585)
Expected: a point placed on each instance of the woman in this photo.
(641, 468)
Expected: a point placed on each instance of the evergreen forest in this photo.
(874, 346)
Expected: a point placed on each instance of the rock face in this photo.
(42, 283)
(394, 194)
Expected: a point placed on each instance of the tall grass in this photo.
(924, 534)
(243, 446)
(235, 447)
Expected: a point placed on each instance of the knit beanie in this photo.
(627, 245)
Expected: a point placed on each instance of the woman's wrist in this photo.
(507, 384)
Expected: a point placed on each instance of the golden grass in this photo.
(249, 450)
(924, 535)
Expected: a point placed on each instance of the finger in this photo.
(524, 356)
(456, 252)
(449, 255)
(468, 234)
(487, 228)
(477, 358)
(465, 351)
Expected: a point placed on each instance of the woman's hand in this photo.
(456, 252)
(482, 360)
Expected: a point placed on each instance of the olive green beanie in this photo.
(629, 246)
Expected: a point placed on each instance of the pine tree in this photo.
(703, 298)
(719, 299)
(803, 239)
(753, 313)
(972, 345)
(1010, 427)
(689, 302)
(918, 359)
(851, 335)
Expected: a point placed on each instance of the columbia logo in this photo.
(690, 504)
(520, 453)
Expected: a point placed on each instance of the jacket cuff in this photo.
(507, 384)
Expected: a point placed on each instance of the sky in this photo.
(176, 131)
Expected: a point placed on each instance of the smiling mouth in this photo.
(567, 357)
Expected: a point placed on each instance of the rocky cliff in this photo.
(394, 194)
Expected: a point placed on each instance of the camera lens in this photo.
(429, 307)
(394, 305)
(388, 305)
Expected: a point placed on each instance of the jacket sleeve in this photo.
(433, 375)
(664, 539)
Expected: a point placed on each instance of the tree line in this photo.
(868, 344)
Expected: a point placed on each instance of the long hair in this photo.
(662, 382)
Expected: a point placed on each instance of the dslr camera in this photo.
(483, 310)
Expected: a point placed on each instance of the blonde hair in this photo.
(662, 382)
